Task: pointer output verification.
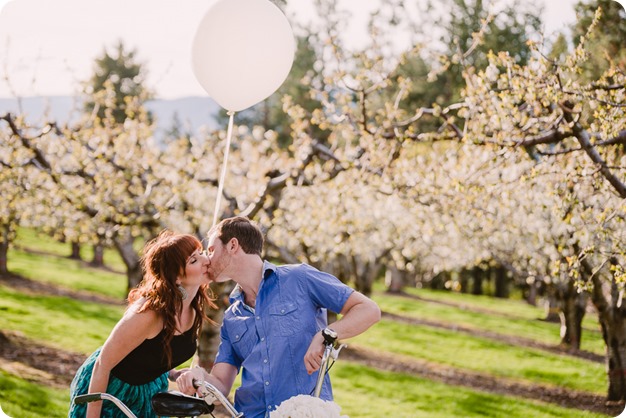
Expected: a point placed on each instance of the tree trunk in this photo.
(552, 304)
(477, 284)
(438, 282)
(395, 279)
(344, 269)
(124, 246)
(366, 273)
(464, 278)
(502, 282)
(4, 249)
(533, 291)
(611, 315)
(98, 256)
(75, 251)
(614, 333)
(210, 336)
(574, 305)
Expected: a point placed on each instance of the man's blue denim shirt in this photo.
(268, 342)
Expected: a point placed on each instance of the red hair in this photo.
(164, 260)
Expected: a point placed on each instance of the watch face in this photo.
(329, 333)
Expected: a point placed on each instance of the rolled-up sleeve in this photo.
(326, 290)
(225, 351)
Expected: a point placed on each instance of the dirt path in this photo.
(36, 362)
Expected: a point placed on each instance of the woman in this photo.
(157, 333)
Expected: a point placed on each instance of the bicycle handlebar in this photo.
(92, 397)
(330, 337)
(89, 397)
(215, 395)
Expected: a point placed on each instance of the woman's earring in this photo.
(183, 292)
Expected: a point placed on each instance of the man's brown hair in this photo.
(247, 232)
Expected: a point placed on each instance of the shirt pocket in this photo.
(241, 339)
(287, 316)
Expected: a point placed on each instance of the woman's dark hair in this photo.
(164, 260)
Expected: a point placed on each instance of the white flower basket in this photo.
(305, 406)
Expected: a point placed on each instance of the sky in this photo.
(47, 47)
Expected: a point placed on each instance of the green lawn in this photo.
(34, 240)
(506, 307)
(478, 354)
(60, 322)
(364, 392)
(38, 257)
(526, 325)
(22, 399)
(66, 273)
(361, 391)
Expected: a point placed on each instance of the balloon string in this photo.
(220, 186)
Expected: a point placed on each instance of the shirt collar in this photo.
(237, 294)
(267, 268)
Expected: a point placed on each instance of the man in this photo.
(273, 328)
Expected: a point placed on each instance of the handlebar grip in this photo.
(88, 397)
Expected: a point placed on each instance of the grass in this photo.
(66, 273)
(525, 326)
(35, 240)
(57, 321)
(362, 392)
(22, 399)
(505, 307)
(39, 257)
(496, 305)
(467, 352)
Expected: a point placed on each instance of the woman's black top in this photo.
(148, 361)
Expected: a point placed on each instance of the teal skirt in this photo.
(135, 397)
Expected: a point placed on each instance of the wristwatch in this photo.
(330, 336)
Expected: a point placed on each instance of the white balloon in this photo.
(242, 52)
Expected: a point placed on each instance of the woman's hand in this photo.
(174, 374)
(185, 379)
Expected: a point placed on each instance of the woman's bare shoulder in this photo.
(147, 319)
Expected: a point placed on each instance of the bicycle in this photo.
(172, 403)
(330, 338)
(177, 404)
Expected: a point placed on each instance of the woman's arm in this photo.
(128, 333)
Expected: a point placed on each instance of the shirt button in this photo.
(262, 338)
(258, 317)
(237, 336)
(267, 383)
(265, 361)
(282, 311)
(269, 407)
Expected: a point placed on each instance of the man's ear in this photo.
(233, 245)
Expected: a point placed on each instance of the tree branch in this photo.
(584, 139)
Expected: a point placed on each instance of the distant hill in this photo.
(193, 113)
